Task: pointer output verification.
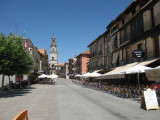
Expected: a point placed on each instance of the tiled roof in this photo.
(61, 64)
(86, 52)
(42, 51)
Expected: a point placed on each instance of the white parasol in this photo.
(42, 76)
(53, 76)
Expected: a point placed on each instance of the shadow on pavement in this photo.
(17, 92)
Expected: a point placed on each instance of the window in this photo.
(100, 51)
(137, 28)
(114, 29)
(52, 58)
(139, 46)
(122, 21)
(115, 42)
(133, 11)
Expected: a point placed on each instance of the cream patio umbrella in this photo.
(95, 74)
(86, 75)
(53, 76)
(137, 69)
(42, 76)
(78, 75)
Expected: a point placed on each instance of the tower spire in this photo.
(53, 55)
(53, 43)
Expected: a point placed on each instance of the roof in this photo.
(73, 57)
(128, 7)
(86, 52)
(60, 64)
(95, 40)
(42, 51)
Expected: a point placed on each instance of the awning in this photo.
(96, 71)
(115, 74)
(153, 74)
(148, 62)
(115, 57)
(136, 69)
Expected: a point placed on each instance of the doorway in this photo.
(156, 44)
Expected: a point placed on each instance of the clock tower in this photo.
(53, 59)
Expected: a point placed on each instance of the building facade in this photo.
(44, 62)
(34, 53)
(66, 70)
(72, 67)
(97, 52)
(137, 28)
(53, 56)
(82, 60)
(60, 69)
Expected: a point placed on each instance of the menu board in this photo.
(150, 99)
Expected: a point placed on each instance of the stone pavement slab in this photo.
(37, 99)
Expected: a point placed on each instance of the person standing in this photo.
(157, 94)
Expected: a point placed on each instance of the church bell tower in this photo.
(53, 58)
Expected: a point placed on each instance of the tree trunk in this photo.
(9, 82)
(2, 86)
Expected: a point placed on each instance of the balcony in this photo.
(147, 25)
(93, 54)
(126, 37)
(148, 55)
(153, 54)
(157, 19)
(100, 52)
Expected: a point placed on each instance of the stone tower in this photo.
(53, 58)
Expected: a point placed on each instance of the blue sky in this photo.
(75, 23)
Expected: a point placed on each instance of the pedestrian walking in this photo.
(157, 94)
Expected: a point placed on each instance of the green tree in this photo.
(23, 61)
(13, 57)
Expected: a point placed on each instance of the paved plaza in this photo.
(38, 99)
(68, 101)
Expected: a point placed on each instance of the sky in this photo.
(74, 23)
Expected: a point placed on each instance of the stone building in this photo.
(72, 67)
(82, 60)
(53, 56)
(44, 62)
(34, 53)
(96, 54)
(137, 28)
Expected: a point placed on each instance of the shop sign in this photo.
(149, 100)
(138, 54)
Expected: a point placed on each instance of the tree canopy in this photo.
(13, 57)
